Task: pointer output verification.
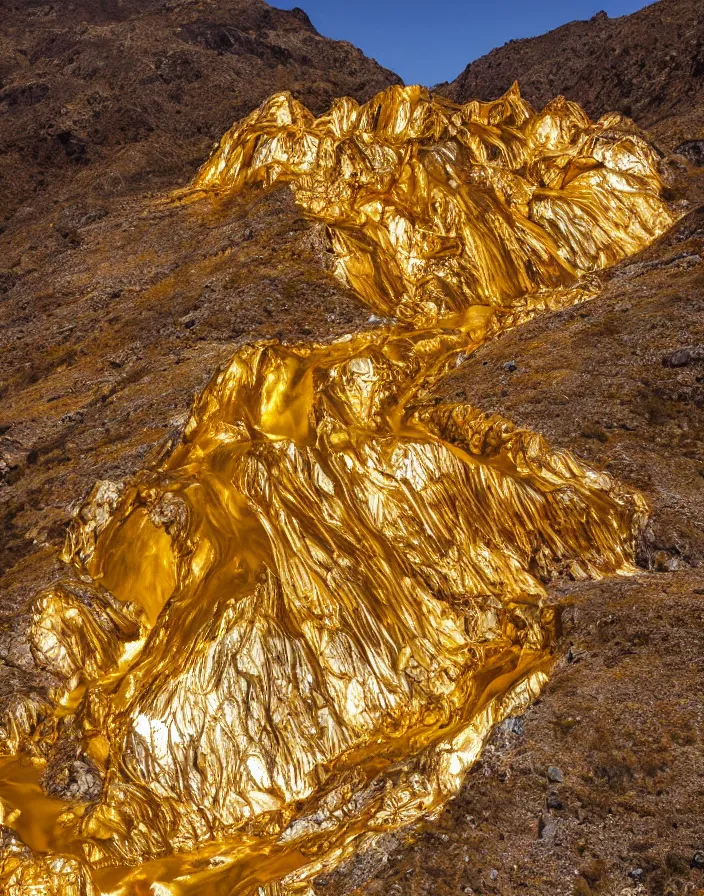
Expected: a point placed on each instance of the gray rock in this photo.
(555, 774)
(693, 150)
(513, 725)
(681, 357)
(510, 366)
(547, 828)
(554, 802)
(697, 859)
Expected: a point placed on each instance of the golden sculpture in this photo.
(298, 629)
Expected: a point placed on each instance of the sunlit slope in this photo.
(445, 206)
(299, 627)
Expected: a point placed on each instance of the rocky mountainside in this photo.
(115, 307)
(649, 66)
(99, 100)
(598, 788)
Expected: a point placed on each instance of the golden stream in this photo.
(297, 630)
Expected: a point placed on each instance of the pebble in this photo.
(510, 366)
(684, 356)
(697, 859)
(547, 827)
(513, 725)
(554, 802)
(638, 875)
(73, 417)
(555, 774)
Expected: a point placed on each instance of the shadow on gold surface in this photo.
(297, 629)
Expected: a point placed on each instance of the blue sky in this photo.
(428, 41)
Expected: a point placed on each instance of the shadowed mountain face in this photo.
(102, 99)
(649, 65)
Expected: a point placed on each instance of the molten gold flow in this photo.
(298, 628)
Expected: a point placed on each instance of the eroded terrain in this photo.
(282, 430)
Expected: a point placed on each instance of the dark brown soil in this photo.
(101, 99)
(649, 66)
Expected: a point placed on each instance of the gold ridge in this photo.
(298, 629)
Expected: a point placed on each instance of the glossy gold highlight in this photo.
(297, 629)
(434, 207)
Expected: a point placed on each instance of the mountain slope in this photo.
(103, 99)
(649, 65)
(115, 308)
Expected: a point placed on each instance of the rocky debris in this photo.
(555, 775)
(71, 775)
(100, 101)
(648, 65)
(547, 828)
(693, 150)
(682, 357)
(76, 781)
(513, 725)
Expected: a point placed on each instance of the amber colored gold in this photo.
(298, 629)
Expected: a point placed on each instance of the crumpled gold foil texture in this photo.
(439, 207)
(299, 627)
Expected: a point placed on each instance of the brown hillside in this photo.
(649, 65)
(103, 98)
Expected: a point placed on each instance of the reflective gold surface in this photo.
(297, 630)
(434, 207)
